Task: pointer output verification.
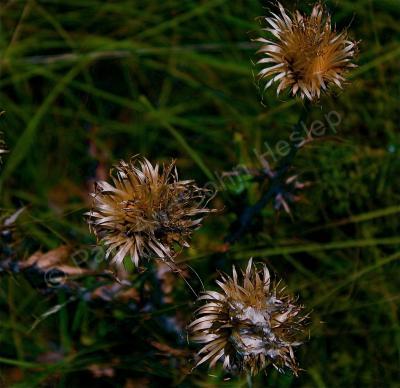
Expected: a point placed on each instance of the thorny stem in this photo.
(275, 187)
(157, 294)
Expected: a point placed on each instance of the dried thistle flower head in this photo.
(145, 212)
(306, 55)
(251, 324)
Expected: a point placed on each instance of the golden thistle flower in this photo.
(251, 325)
(145, 212)
(306, 55)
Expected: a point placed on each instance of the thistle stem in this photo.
(274, 188)
(249, 380)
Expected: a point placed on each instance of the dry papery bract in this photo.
(146, 211)
(306, 54)
(250, 324)
(3, 148)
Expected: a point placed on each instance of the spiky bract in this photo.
(3, 148)
(306, 54)
(250, 324)
(146, 212)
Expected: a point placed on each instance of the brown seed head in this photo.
(306, 54)
(250, 324)
(145, 212)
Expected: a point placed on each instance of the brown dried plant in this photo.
(146, 212)
(250, 324)
(306, 54)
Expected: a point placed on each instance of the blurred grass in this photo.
(174, 79)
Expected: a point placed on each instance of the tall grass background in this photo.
(86, 83)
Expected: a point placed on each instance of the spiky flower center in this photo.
(307, 49)
(250, 325)
(146, 212)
